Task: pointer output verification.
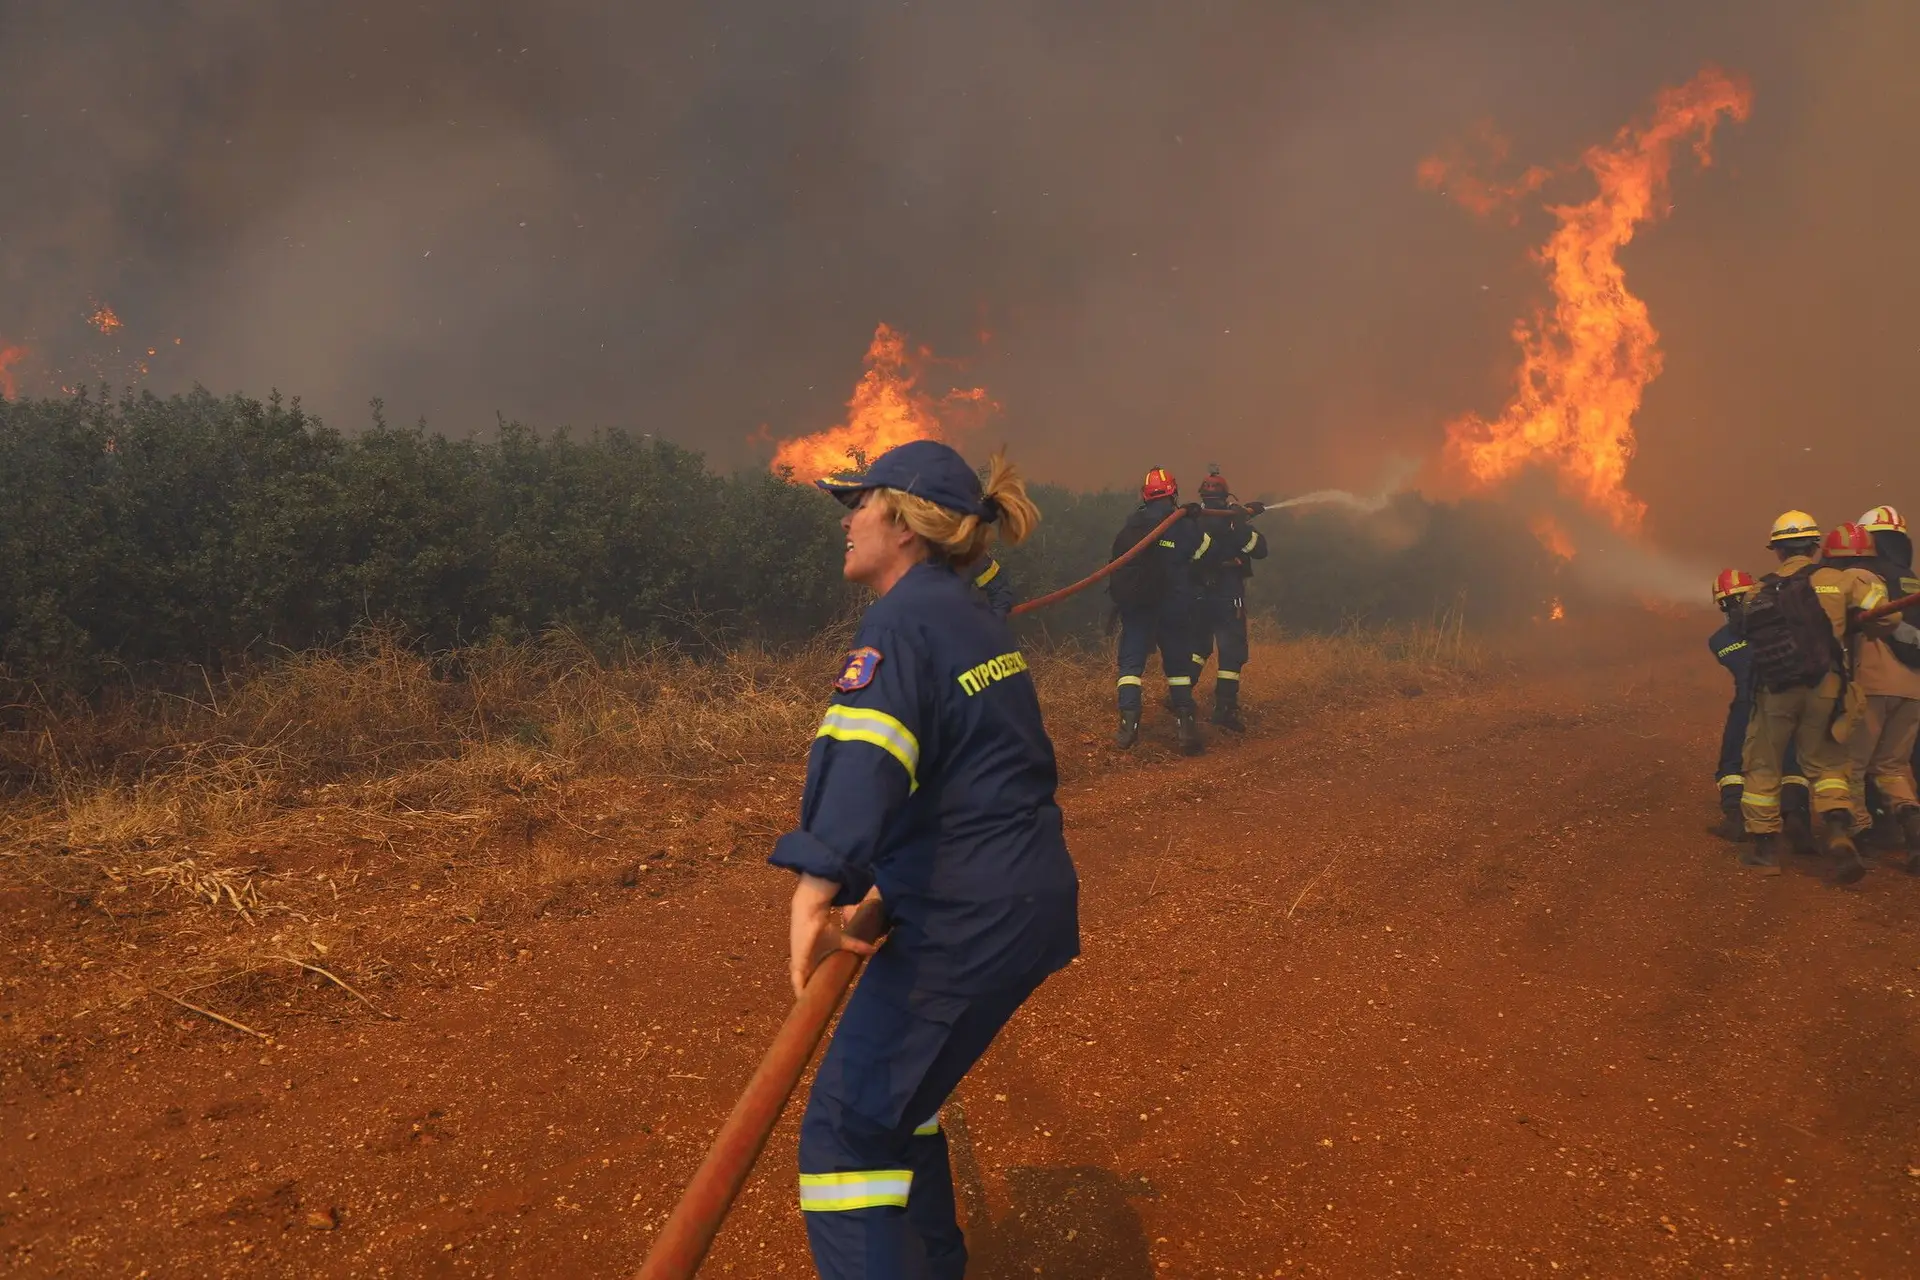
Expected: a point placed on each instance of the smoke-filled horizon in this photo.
(1156, 234)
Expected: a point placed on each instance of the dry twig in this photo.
(342, 983)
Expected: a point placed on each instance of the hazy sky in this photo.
(1192, 230)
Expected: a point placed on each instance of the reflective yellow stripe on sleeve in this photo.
(863, 1189)
(1206, 541)
(1252, 542)
(878, 729)
(988, 574)
(1876, 595)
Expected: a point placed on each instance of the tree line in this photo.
(141, 532)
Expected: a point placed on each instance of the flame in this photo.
(1558, 612)
(887, 408)
(1585, 362)
(1552, 536)
(9, 357)
(104, 319)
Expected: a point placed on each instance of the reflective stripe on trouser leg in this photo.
(855, 1189)
(1891, 764)
(1138, 631)
(1823, 759)
(1769, 730)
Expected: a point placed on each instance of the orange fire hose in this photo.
(683, 1242)
(1891, 606)
(690, 1229)
(1055, 597)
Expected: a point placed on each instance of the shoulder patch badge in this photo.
(858, 671)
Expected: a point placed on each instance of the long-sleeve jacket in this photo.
(932, 777)
(1732, 653)
(1228, 562)
(991, 579)
(1877, 669)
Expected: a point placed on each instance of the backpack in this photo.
(1789, 633)
(1143, 579)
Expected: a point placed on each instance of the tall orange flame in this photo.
(1585, 362)
(9, 357)
(887, 408)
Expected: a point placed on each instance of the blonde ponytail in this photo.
(962, 539)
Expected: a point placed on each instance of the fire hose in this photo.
(690, 1229)
(1891, 606)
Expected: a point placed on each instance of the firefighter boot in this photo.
(1731, 827)
(1800, 832)
(1129, 731)
(1187, 729)
(1910, 828)
(1226, 709)
(1763, 853)
(1836, 838)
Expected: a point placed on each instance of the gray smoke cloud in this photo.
(1191, 231)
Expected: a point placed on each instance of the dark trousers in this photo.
(1223, 623)
(876, 1188)
(1168, 627)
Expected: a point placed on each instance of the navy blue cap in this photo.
(924, 468)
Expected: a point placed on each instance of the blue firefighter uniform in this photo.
(933, 778)
(1733, 653)
(991, 579)
(1221, 588)
(1166, 622)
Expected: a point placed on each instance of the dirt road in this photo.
(1451, 986)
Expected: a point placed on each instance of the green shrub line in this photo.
(146, 535)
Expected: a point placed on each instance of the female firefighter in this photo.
(931, 785)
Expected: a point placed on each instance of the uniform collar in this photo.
(1794, 564)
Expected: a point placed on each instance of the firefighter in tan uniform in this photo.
(1796, 625)
(1887, 668)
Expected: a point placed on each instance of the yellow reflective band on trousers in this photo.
(1763, 802)
(1226, 675)
(1831, 786)
(878, 729)
(1793, 780)
(1127, 680)
(1177, 681)
(1199, 659)
(1732, 780)
(988, 574)
(928, 1129)
(864, 1189)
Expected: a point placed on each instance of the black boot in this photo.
(1187, 728)
(1910, 828)
(1226, 712)
(1836, 838)
(1800, 832)
(1129, 731)
(1731, 827)
(1763, 853)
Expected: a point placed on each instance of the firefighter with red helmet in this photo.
(1887, 669)
(1731, 652)
(1154, 593)
(1221, 594)
(1795, 626)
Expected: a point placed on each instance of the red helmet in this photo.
(1158, 484)
(1847, 540)
(1732, 582)
(1214, 486)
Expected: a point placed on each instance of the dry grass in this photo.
(356, 803)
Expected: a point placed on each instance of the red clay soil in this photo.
(1447, 986)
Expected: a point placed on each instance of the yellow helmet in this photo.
(1793, 526)
(1882, 520)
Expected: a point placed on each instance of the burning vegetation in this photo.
(1586, 359)
(888, 407)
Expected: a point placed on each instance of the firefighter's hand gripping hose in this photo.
(683, 1242)
(690, 1230)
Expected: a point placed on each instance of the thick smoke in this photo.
(1168, 233)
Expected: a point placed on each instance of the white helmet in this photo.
(1882, 520)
